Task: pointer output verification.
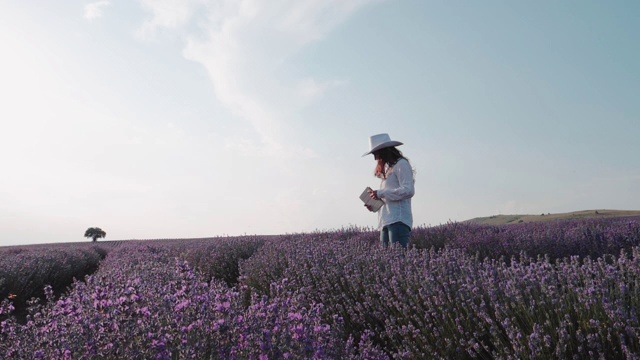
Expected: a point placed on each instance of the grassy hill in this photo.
(584, 214)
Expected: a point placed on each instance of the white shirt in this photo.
(396, 191)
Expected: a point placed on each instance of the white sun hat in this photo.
(380, 141)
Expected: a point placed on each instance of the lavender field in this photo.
(562, 290)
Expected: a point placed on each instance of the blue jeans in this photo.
(395, 233)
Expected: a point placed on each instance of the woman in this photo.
(396, 190)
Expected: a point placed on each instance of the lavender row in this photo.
(24, 271)
(448, 304)
(557, 239)
(218, 258)
(145, 303)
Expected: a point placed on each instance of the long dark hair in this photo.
(387, 157)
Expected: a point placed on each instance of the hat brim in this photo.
(383, 145)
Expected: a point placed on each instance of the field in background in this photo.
(584, 214)
(561, 289)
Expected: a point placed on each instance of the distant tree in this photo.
(95, 233)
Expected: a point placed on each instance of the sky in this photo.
(200, 118)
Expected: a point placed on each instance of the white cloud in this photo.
(94, 10)
(312, 20)
(244, 46)
(169, 14)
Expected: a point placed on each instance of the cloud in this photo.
(94, 10)
(167, 14)
(247, 48)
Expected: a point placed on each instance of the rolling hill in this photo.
(584, 214)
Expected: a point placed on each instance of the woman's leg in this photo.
(399, 233)
(384, 236)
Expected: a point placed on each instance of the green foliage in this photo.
(95, 233)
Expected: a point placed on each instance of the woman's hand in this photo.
(374, 194)
(368, 207)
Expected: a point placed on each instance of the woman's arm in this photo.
(403, 171)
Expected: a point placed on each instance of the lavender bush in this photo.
(143, 303)
(448, 304)
(24, 271)
(558, 239)
(220, 259)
